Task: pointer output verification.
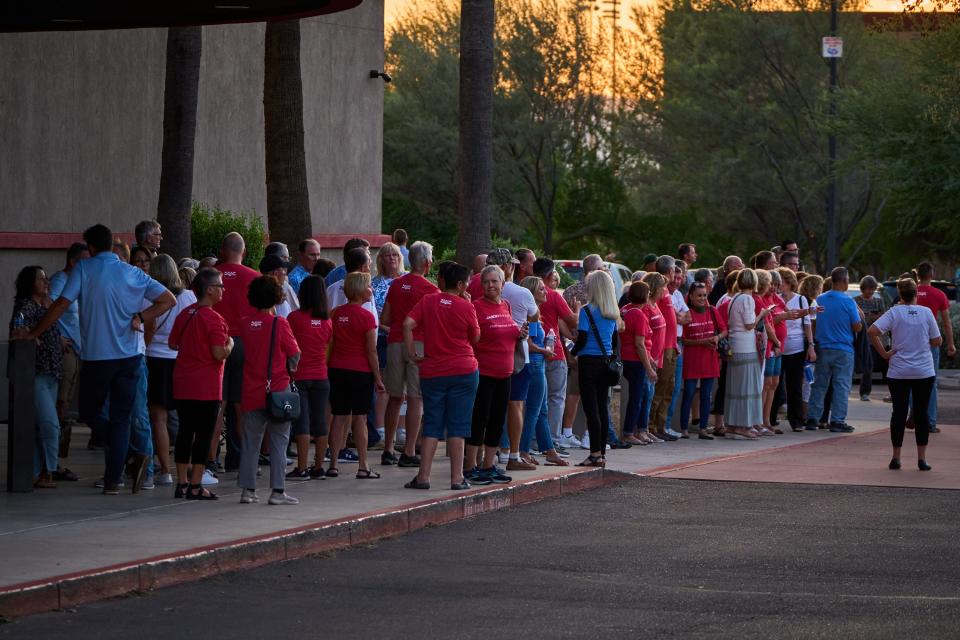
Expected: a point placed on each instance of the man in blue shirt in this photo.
(837, 323)
(340, 272)
(111, 294)
(69, 324)
(309, 254)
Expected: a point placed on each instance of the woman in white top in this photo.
(797, 348)
(161, 358)
(743, 404)
(914, 332)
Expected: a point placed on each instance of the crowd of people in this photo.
(494, 360)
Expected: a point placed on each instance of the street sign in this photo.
(832, 47)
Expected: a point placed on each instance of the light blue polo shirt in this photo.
(69, 322)
(110, 293)
(833, 325)
(605, 328)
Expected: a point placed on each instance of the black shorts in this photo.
(160, 382)
(313, 408)
(233, 373)
(351, 392)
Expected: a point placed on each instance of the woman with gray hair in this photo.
(743, 404)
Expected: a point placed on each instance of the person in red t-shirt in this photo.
(639, 367)
(313, 330)
(494, 353)
(448, 370)
(658, 325)
(354, 371)
(935, 300)
(233, 307)
(701, 362)
(259, 333)
(200, 337)
(766, 298)
(402, 376)
(663, 390)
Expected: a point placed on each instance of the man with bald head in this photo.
(730, 264)
(308, 254)
(233, 307)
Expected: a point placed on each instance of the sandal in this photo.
(591, 461)
(332, 472)
(202, 494)
(556, 462)
(416, 484)
(367, 474)
(181, 490)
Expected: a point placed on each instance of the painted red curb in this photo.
(156, 572)
(659, 471)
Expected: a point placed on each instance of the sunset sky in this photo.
(393, 6)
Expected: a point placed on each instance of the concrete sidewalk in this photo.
(72, 544)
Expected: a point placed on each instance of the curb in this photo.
(65, 591)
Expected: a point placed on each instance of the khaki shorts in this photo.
(401, 373)
(69, 377)
(573, 380)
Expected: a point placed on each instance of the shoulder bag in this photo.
(282, 406)
(613, 367)
(723, 344)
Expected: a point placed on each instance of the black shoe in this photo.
(620, 445)
(137, 468)
(894, 464)
(408, 461)
(923, 466)
(840, 427)
(811, 425)
(298, 475)
(213, 467)
(387, 459)
(316, 473)
(704, 436)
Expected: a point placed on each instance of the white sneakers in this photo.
(248, 496)
(209, 480)
(282, 498)
(569, 442)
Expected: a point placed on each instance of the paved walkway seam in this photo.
(66, 591)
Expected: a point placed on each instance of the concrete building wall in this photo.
(81, 122)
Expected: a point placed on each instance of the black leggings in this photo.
(197, 421)
(594, 392)
(489, 411)
(900, 391)
(792, 380)
(721, 390)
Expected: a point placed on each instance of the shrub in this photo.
(208, 226)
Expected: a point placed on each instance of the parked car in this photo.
(949, 288)
(619, 272)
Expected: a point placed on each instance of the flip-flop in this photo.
(416, 484)
(367, 474)
(560, 462)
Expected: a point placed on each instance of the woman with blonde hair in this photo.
(161, 359)
(598, 337)
(743, 404)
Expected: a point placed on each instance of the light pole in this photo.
(831, 221)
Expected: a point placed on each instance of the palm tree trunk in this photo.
(180, 94)
(288, 198)
(476, 127)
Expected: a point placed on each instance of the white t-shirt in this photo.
(743, 311)
(794, 342)
(912, 327)
(336, 298)
(680, 306)
(290, 301)
(522, 307)
(158, 347)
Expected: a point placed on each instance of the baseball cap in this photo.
(271, 263)
(501, 257)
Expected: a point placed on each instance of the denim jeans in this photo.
(690, 390)
(556, 371)
(677, 389)
(834, 370)
(141, 435)
(535, 411)
(448, 405)
(117, 380)
(45, 388)
(637, 415)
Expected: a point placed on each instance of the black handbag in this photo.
(282, 406)
(723, 344)
(613, 367)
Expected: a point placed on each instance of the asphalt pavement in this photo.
(651, 558)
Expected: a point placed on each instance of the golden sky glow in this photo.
(394, 6)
